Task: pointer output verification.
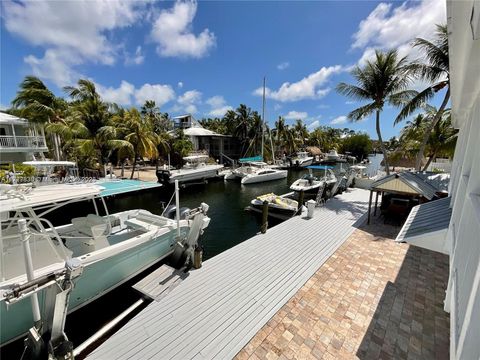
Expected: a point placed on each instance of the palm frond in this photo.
(414, 104)
(362, 112)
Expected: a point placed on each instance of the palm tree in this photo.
(39, 105)
(284, 136)
(90, 125)
(301, 132)
(383, 80)
(160, 121)
(435, 71)
(139, 132)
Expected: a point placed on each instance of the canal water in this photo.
(230, 225)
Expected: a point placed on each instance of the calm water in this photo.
(230, 225)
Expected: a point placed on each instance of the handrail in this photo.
(10, 141)
(228, 158)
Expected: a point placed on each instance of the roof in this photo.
(116, 187)
(427, 225)
(199, 131)
(437, 180)
(405, 183)
(11, 119)
(44, 195)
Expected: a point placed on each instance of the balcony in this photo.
(22, 143)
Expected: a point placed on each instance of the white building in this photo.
(453, 226)
(19, 140)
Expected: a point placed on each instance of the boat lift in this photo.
(47, 336)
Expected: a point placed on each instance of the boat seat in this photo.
(137, 224)
(91, 225)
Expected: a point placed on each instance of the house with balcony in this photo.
(20, 140)
(206, 140)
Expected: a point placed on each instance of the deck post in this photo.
(369, 206)
(300, 199)
(264, 227)
(376, 202)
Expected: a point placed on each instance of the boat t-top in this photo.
(310, 184)
(111, 248)
(196, 170)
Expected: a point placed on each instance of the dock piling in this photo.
(300, 201)
(264, 217)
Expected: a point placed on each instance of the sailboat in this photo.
(255, 170)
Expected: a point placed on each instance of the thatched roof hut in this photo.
(314, 150)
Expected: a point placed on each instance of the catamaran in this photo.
(112, 248)
(253, 170)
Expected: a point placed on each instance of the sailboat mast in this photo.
(263, 114)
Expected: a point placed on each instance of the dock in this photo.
(215, 312)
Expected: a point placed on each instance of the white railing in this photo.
(22, 142)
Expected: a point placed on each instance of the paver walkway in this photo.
(373, 299)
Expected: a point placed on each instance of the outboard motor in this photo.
(171, 212)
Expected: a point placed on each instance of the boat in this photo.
(301, 160)
(252, 172)
(310, 184)
(195, 170)
(333, 155)
(279, 206)
(111, 248)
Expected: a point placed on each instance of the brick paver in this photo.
(373, 299)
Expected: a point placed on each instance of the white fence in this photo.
(33, 142)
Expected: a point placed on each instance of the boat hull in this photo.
(97, 279)
(280, 174)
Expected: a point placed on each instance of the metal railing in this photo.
(22, 142)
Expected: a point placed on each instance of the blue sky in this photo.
(209, 56)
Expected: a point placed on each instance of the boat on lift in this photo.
(196, 170)
(112, 248)
(253, 170)
(310, 184)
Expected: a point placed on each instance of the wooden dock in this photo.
(214, 312)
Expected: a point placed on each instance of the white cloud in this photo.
(294, 115)
(121, 95)
(71, 32)
(172, 31)
(307, 88)
(339, 120)
(135, 59)
(218, 106)
(180, 85)
(277, 107)
(388, 27)
(159, 93)
(126, 94)
(283, 65)
(313, 125)
(188, 101)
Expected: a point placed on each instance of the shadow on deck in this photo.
(409, 321)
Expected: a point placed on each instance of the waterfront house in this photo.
(20, 140)
(454, 222)
(206, 140)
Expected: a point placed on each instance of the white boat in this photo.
(195, 170)
(279, 207)
(333, 155)
(310, 184)
(256, 172)
(302, 159)
(112, 248)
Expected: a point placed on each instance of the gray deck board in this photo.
(216, 310)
